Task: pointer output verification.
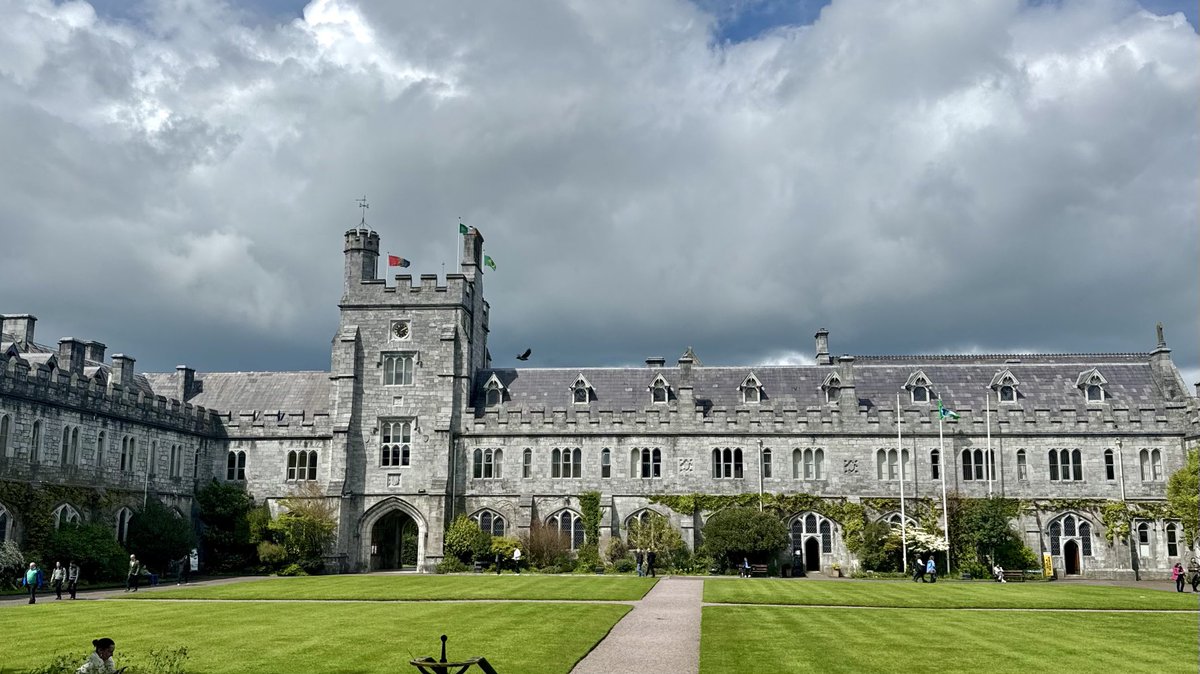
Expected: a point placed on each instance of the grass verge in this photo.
(906, 594)
(272, 637)
(421, 588)
(793, 639)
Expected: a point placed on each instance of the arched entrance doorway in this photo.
(394, 542)
(1071, 558)
(812, 555)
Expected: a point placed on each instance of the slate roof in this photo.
(1045, 382)
(39, 354)
(245, 391)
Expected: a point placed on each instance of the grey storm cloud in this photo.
(918, 177)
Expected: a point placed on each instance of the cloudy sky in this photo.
(926, 176)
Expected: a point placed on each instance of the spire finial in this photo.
(1162, 340)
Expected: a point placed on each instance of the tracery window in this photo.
(489, 522)
(398, 369)
(124, 515)
(569, 525)
(811, 525)
(395, 444)
(65, 514)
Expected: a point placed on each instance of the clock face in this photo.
(400, 329)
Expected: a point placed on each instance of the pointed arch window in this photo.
(645, 463)
(606, 463)
(832, 386)
(124, 515)
(302, 465)
(566, 462)
(128, 447)
(766, 463)
(1005, 384)
(1093, 384)
(35, 442)
(235, 465)
(751, 389)
(1022, 465)
(1172, 530)
(935, 464)
(660, 390)
(101, 441)
(493, 392)
(490, 522)
(814, 463)
(581, 391)
(727, 463)
(69, 456)
(1066, 465)
(527, 463)
(887, 464)
(919, 387)
(1110, 469)
(5, 446)
(66, 514)
(974, 464)
(5, 524)
(398, 369)
(1070, 528)
(570, 525)
(811, 525)
(487, 464)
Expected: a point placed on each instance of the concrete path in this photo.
(46, 594)
(660, 634)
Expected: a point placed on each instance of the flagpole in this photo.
(988, 460)
(903, 519)
(945, 478)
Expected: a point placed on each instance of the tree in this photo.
(92, 546)
(226, 534)
(1183, 497)
(744, 532)
(306, 527)
(159, 535)
(874, 548)
(466, 541)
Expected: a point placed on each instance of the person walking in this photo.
(1177, 575)
(57, 577)
(650, 555)
(931, 569)
(185, 568)
(131, 579)
(100, 660)
(1194, 574)
(517, 560)
(919, 570)
(639, 558)
(72, 577)
(33, 580)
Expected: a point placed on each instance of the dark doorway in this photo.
(1071, 558)
(812, 554)
(394, 542)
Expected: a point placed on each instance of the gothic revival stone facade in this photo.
(413, 425)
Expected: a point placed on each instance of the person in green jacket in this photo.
(33, 580)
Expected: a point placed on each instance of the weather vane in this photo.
(363, 205)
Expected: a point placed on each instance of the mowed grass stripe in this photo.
(421, 588)
(796, 639)
(272, 637)
(906, 594)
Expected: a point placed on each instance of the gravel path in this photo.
(660, 634)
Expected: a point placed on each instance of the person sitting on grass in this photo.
(100, 660)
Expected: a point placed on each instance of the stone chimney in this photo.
(95, 351)
(70, 355)
(185, 382)
(122, 370)
(20, 326)
(822, 338)
(847, 397)
(1165, 375)
(656, 361)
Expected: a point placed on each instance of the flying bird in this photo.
(525, 356)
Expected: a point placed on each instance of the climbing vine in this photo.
(35, 506)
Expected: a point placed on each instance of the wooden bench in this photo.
(1014, 576)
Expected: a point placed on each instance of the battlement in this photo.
(362, 239)
(430, 289)
(275, 424)
(1171, 419)
(41, 383)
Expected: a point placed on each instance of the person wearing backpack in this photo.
(931, 569)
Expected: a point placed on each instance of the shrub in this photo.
(877, 547)
(92, 546)
(12, 563)
(452, 564)
(546, 547)
(504, 546)
(734, 533)
(293, 570)
(624, 565)
(616, 550)
(466, 541)
(306, 528)
(271, 554)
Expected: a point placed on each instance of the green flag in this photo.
(946, 412)
(487, 262)
(462, 229)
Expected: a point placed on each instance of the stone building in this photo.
(413, 425)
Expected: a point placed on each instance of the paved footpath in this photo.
(660, 634)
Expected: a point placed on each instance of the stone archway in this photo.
(1071, 558)
(812, 554)
(393, 537)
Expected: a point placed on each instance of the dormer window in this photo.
(581, 391)
(751, 390)
(1005, 386)
(919, 386)
(1092, 383)
(660, 390)
(832, 386)
(493, 392)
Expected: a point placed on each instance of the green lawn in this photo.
(907, 594)
(794, 639)
(423, 587)
(303, 637)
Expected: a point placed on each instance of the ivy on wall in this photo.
(35, 506)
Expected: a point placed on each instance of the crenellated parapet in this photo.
(277, 424)
(39, 383)
(429, 290)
